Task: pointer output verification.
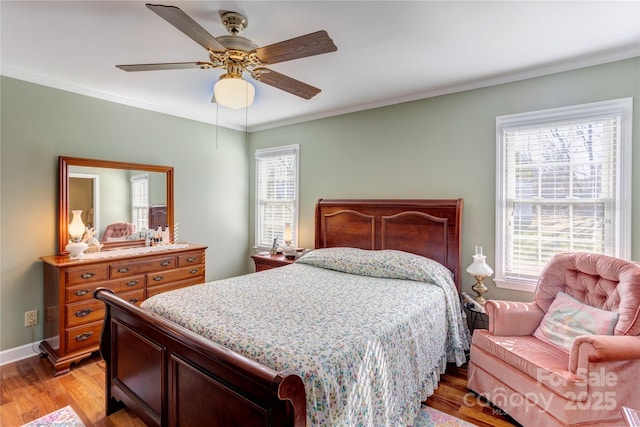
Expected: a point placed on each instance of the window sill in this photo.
(516, 285)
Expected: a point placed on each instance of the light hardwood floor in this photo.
(29, 391)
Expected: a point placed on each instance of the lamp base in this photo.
(289, 252)
(76, 249)
(480, 289)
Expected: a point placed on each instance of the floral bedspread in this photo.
(369, 332)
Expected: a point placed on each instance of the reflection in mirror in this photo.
(124, 196)
(121, 201)
(84, 195)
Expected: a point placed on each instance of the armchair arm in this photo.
(512, 317)
(603, 348)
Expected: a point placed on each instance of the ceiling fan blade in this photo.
(299, 47)
(288, 84)
(176, 17)
(165, 66)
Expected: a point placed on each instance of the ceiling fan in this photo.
(237, 54)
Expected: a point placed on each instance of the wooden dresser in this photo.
(73, 318)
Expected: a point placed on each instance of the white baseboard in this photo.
(19, 353)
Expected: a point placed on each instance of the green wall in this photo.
(441, 147)
(38, 124)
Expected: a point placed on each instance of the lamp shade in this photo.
(479, 267)
(287, 233)
(232, 91)
(76, 226)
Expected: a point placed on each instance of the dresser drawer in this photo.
(164, 277)
(91, 310)
(175, 285)
(90, 273)
(83, 337)
(134, 297)
(85, 292)
(191, 258)
(267, 262)
(132, 268)
(80, 313)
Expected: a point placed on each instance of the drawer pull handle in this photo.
(165, 263)
(191, 259)
(133, 300)
(87, 275)
(158, 278)
(132, 283)
(123, 270)
(83, 337)
(82, 292)
(194, 271)
(83, 313)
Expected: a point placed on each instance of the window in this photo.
(140, 201)
(276, 194)
(563, 185)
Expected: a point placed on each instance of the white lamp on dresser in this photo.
(76, 246)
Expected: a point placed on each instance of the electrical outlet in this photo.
(30, 318)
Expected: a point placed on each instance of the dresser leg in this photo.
(60, 365)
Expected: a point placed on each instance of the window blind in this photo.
(561, 190)
(276, 194)
(562, 186)
(140, 201)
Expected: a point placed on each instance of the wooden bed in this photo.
(170, 376)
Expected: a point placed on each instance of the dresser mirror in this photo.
(104, 191)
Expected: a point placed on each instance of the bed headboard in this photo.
(157, 216)
(430, 228)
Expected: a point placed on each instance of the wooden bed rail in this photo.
(171, 376)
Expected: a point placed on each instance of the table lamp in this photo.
(479, 270)
(76, 246)
(289, 251)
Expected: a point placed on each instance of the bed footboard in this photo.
(169, 376)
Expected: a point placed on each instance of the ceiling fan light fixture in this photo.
(237, 54)
(232, 91)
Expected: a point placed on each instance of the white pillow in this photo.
(567, 318)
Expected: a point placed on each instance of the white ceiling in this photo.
(388, 51)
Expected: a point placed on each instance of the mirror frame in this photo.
(63, 196)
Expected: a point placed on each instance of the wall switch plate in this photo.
(30, 318)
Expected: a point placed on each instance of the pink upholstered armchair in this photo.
(572, 356)
(118, 231)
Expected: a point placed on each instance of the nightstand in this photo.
(266, 261)
(476, 319)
